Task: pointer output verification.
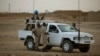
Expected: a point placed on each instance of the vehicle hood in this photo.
(75, 34)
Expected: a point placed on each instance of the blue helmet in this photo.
(36, 12)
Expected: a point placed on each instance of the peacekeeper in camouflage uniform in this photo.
(44, 36)
(37, 32)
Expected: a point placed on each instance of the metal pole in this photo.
(33, 5)
(9, 6)
(79, 20)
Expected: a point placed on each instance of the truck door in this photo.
(53, 35)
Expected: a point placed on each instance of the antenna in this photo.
(79, 20)
(33, 5)
(9, 7)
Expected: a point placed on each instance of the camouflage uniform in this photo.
(44, 36)
(37, 37)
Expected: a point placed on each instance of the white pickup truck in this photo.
(60, 35)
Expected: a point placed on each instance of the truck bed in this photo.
(24, 33)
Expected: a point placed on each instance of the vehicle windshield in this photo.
(67, 28)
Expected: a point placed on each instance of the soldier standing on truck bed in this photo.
(37, 35)
(35, 15)
(44, 36)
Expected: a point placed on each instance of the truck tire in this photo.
(84, 49)
(67, 46)
(48, 47)
(30, 44)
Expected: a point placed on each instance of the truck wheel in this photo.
(48, 47)
(30, 44)
(67, 46)
(84, 49)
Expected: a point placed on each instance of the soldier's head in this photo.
(74, 24)
(36, 12)
(44, 24)
(38, 25)
(27, 20)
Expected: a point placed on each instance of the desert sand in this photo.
(10, 45)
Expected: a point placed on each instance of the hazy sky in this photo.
(50, 5)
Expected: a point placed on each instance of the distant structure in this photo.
(74, 15)
(93, 16)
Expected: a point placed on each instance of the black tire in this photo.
(84, 49)
(48, 47)
(67, 46)
(30, 44)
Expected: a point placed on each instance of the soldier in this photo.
(44, 36)
(74, 25)
(35, 15)
(37, 35)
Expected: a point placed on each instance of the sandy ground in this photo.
(10, 45)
